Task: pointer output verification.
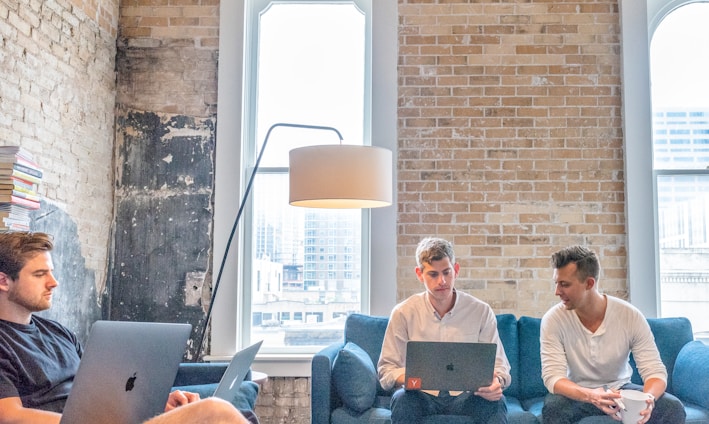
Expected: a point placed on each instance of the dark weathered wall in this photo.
(165, 137)
(163, 215)
(76, 302)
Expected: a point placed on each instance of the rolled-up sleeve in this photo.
(554, 365)
(645, 352)
(490, 334)
(392, 360)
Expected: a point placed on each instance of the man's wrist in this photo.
(501, 380)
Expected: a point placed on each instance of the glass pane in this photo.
(310, 71)
(306, 266)
(683, 212)
(680, 103)
(306, 269)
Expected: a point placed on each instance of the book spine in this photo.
(19, 201)
(35, 172)
(25, 176)
(26, 186)
(25, 195)
(15, 226)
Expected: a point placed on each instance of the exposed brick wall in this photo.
(195, 21)
(57, 92)
(284, 400)
(510, 139)
(510, 142)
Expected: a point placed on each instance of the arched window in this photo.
(679, 61)
(244, 103)
(662, 270)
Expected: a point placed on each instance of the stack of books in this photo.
(20, 177)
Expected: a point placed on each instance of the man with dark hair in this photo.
(441, 313)
(39, 357)
(586, 341)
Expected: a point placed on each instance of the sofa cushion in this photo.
(368, 333)
(244, 399)
(507, 329)
(530, 360)
(342, 415)
(693, 360)
(355, 378)
(670, 335)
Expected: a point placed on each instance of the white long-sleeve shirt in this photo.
(470, 320)
(570, 350)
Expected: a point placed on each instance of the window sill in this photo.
(277, 365)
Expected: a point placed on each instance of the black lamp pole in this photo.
(238, 218)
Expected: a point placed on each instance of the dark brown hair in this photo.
(17, 247)
(586, 261)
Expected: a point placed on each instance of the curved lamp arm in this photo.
(244, 198)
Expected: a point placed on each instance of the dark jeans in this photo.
(409, 407)
(562, 410)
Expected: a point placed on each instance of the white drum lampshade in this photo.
(340, 176)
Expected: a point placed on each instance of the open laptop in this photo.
(236, 371)
(126, 372)
(452, 366)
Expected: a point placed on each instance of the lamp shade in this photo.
(340, 176)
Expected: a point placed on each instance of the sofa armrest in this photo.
(691, 374)
(322, 390)
(190, 374)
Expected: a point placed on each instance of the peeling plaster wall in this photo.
(164, 216)
(76, 302)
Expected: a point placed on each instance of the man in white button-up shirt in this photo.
(441, 313)
(586, 341)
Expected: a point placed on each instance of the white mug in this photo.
(634, 402)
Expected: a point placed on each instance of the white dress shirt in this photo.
(470, 320)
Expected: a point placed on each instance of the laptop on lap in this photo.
(126, 372)
(236, 371)
(452, 366)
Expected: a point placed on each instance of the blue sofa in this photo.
(342, 387)
(203, 378)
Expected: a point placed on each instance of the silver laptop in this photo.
(236, 371)
(126, 372)
(452, 366)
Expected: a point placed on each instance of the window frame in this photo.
(226, 336)
(639, 20)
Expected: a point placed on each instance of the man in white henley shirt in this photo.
(586, 341)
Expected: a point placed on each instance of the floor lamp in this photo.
(336, 176)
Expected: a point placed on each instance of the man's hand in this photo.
(645, 413)
(492, 393)
(179, 398)
(605, 400)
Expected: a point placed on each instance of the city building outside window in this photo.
(319, 74)
(680, 140)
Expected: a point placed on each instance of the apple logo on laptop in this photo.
(130, 383)
(449, 367)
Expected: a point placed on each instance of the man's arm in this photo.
(390, 366)
(12, 411)
(490, 334)
(655, 386)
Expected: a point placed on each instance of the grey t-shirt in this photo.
(38, 362)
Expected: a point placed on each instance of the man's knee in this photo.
(210, 410)
(220, 411)
(668, 409)
(557, 409)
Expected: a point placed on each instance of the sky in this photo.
(679, 56)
